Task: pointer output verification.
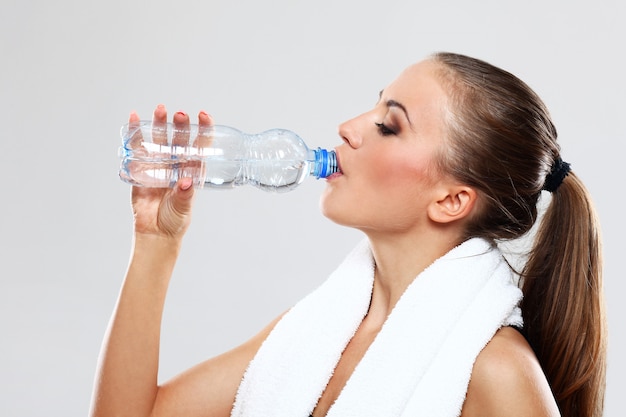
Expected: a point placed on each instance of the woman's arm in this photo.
(126, 382)
(209, 389)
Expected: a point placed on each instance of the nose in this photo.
(350, 134)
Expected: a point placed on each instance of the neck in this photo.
(399, 259)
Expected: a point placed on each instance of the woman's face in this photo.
(388, 156)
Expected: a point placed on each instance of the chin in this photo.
(323, 206)
(331, 211)
(337, 214)
(338, 207)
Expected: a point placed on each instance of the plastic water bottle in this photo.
(218, 157)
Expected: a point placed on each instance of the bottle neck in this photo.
(325, 163)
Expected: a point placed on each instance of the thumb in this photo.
(183, 196)
(175, 211)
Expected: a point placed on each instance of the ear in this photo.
(453, 204)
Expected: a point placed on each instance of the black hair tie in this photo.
(559, 171)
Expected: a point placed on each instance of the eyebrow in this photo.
(394, 103)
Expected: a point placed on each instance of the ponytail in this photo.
(501, 141)
(563, 307)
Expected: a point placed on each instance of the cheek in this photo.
(393, 186)
(401, 171)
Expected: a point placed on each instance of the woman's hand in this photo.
(166, 212)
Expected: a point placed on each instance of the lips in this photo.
(335, 175)
(339, 168)
(339, 172)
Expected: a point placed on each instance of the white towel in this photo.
(420, 362)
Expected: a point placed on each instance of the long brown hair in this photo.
(502, 142)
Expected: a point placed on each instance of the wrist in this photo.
(156, 245)
(153, 258)
(159, 239)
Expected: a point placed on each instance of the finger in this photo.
(181, 129)
(133, 137)
(159, 125)
(133, 118)
(205, 130)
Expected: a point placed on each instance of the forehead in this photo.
(418, 88)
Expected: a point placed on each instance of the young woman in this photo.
(423, 318)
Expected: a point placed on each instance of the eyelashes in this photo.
(384, 130)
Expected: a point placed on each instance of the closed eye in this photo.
(384, 130)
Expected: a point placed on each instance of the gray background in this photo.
(72, 70)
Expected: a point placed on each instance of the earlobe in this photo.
(454, 205)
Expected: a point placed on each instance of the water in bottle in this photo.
(219, 157)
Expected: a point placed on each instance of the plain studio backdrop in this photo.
(73, 70)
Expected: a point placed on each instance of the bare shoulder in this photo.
(508, 380)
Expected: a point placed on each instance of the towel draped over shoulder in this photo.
(419, 364)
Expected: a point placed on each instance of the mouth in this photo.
(339, 169)
(335, 175)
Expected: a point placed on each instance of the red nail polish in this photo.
(186, 183)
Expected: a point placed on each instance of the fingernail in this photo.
(181, 113)
(186, 183)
